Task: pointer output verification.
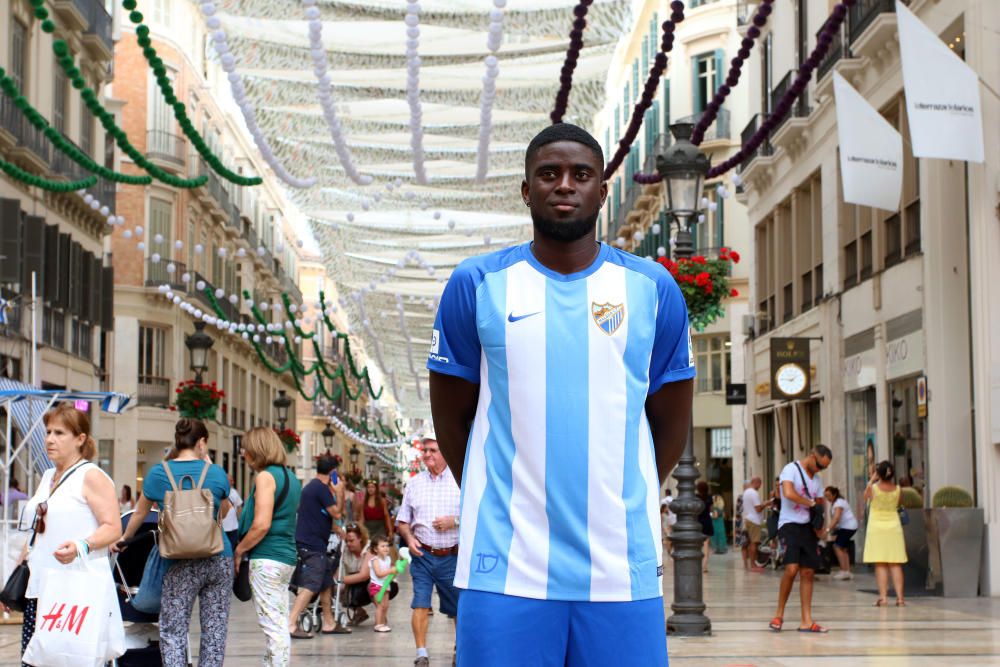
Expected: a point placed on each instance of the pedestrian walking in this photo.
(720, 544)
(705, 519)
(801, 502)
(561, 385)
(267, 537)
(752, 522)
(843, 524)
(379, 567)
(125, 502)
(75, 519)
(208, 578)
(884, 544)
(374, 511)
(314, 573)
(428, 521)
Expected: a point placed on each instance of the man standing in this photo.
(428, 521)
(561, 385)
(318, 514)
(801, 490)
(752, 521)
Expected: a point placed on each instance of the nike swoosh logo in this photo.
(514, 318)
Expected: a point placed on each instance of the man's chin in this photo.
(565, 230)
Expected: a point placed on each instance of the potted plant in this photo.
(196, 400)
(290, 439)
(915, 536)
(955, 542)
(704, 282)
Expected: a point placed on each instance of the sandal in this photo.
(776, 623)
(900, 603)
(300, 634)
(881, 602)
(815, 628)
(382, 628)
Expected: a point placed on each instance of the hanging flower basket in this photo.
(704, 283)
(197, 400)
(290, 439)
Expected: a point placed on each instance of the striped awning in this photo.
(28, 404)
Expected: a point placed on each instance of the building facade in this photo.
(635, 215)
(900, 307)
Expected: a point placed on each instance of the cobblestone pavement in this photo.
(929, 631)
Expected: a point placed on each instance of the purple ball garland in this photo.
(569, 64)
(649, 90)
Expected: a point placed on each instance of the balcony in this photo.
(801, 107)
(718, 130)
(29, 143)
(62, 166)
(660, 145)
(165, 147)
(836, 52)
(764, 149)
(864, 13)
(230, 311)
(97, 37)
(156, 274)
(745, 9)
(154, 391)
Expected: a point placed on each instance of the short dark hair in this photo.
(885, 471)
(823, 452)
(563, 132)
(325, 465)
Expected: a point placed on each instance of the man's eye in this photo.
(582, 175)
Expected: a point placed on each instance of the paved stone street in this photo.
(929, 631)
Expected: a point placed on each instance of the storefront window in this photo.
(861, 443)
(909, 436)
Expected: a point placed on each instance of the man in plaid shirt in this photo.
(428, 521)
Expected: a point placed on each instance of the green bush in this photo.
(911, 499)
(952, 496)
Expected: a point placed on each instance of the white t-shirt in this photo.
(792, 512)
(750, 501)
(231, 521)
(847, 519)
(384, 562)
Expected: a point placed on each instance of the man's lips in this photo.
(564, 206)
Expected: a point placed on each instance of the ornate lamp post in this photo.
(371, 468)
(281, 405)
(354, 453)
(198, 344)
(683, 167)
(328, 435)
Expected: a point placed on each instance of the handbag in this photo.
(13, 594)
(816, 515)
(241, 582)
(149, 596)
(904, 516)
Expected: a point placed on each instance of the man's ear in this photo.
(526, 192)
(604, 192)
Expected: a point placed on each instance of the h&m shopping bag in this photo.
(77, 623)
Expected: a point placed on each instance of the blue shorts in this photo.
(844, 536)
(428, 571)
(496, 629)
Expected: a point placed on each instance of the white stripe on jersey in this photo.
(606, 519)
(528, 558)
(647, 467)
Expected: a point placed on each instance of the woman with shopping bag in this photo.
(71, 614)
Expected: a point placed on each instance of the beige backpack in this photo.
(187, 527)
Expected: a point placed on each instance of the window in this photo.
(709, 235)
(59, 99)
(18, 54)
(105, 455)
(83, 339)
(161, 221)
(87, 132)
(161, 132)
(707, 78)
(712, 361)
(152, 347)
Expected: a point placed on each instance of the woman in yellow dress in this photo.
(884, 545)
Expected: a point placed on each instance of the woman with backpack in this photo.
(267, 536)
(201, 558)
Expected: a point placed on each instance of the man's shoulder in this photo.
(476, 268)
(641, 265)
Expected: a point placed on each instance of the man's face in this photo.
(432, 456)
(821, 463)
(756, 484)
(564, 189)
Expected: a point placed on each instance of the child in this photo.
(379, 567)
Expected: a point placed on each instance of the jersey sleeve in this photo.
(455, 348)
(672, 359)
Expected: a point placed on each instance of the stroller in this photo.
(142, 634)
(310, 620)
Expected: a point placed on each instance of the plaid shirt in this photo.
(426, 498)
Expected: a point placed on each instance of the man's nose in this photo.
(566, 182)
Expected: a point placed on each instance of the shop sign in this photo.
(736, 393)
(859, 370)
(790, 368)
(921, 397)
(722, 443)
(904, 355)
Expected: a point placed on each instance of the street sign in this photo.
(736, 393)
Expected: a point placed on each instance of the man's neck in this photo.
(323, 478)
(808, 468)
(437, 472)
(566, 257)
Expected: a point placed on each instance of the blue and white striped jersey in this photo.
(560, 490)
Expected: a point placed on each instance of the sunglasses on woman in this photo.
(40, 512)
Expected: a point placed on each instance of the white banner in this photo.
(871, 151)
(942, 94)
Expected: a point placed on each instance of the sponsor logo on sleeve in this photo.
(435, 341)
(690, 349)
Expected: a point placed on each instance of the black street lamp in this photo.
(198, 344)
(281, 404)
(683, 168)
(371, 468)
(354, 453)
(328, 435)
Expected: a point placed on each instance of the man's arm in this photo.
(669, 415)
(453, 407)
(788, 490)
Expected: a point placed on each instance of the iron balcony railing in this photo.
(165, 146)
(26, 134)
(864, 13)
(103, 191)
(837, 51)
(98, 20)
(765, 147)
(154, 390)
(801, 107)
(157, 274)
(719, 129)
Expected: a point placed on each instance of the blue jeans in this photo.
(428, 571)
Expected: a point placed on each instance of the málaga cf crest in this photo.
(607, 316)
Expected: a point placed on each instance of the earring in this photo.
(528, 204)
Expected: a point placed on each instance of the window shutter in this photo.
(96, 267)
(666, 105)
(10, 240)
(33, 240)
(65, 277)
(50, 288)
(696, 102)
(87, 285)
(75, 277)
(720, 219)
(107, 298)
(718, 78)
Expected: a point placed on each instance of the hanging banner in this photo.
(871, 151)
(942, 94)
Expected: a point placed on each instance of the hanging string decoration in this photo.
(652, 81)
(412, 20)
(228, 62)
(489, 89)
(325, 93)
(16, 172)
(733, 77)
(569, 64)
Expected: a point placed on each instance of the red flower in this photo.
(178, 390)
(734, 292)
(196, 403)
(708, 288)
(698, 259)
(735, 256)
(173, 408)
